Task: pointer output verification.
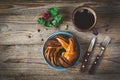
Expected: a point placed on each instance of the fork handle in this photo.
(94, 65)
(96, 61)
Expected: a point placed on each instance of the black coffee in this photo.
(84, 19)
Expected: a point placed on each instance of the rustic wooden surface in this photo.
(21, 39)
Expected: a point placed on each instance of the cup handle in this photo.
(95, 32)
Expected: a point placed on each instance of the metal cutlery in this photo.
(87, 55)
(103, 46)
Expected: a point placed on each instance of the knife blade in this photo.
(104, 44)
(87, 55)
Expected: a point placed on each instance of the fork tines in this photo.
(105, 41)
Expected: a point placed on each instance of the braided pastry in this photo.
(61, 51)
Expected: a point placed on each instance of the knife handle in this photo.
(85, 62)
(94, 65)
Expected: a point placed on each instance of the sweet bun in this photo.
(61, 51)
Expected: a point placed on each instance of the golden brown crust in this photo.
(52, 43)
(65, 38)
(63, 63)
(53, 47)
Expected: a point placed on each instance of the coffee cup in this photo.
(84, 19)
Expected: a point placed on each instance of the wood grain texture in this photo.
(22, 39)
(21, 22)
(24, 61)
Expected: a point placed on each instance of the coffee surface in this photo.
(84, 19)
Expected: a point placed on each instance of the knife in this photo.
(104, 44)
(87, 55)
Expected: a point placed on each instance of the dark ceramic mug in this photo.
(84, 19)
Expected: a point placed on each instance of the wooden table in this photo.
(22, 38)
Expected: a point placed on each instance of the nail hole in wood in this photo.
(42, 39)
(29, 36)
(106, 30)
(38, 30)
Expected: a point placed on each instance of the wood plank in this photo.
(25, 58)
(23, 28)
(62, 77)
(16, 33)
(26, 62)
(37, 8)
(52, 1)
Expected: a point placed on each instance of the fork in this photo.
(103, 46)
